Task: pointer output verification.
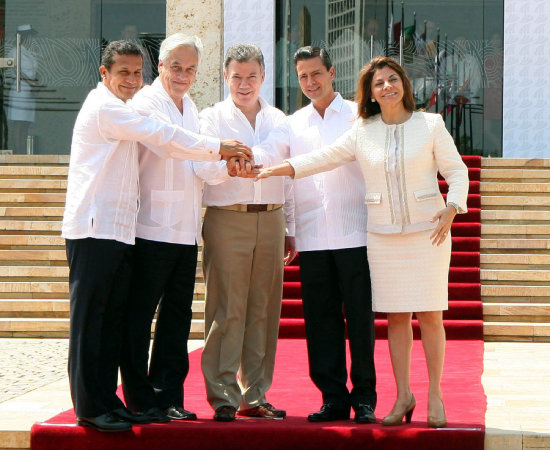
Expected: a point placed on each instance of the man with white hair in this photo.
(167, 233)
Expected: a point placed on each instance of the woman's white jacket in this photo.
(426, 147)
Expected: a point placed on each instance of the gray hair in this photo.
(244, 53)
(179, 40)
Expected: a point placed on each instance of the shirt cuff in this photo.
(213, 144)
(290, 229)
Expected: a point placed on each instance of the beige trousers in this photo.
(243, 267)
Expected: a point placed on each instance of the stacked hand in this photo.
(241, 167)
(230, 148)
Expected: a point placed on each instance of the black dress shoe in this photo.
(330, 412)
(155, 415)
(364, 413)
(128, 416)
(178, 413)
(265, 410)
(225, 413)
(105, 422)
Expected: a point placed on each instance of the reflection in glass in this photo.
(455, 70)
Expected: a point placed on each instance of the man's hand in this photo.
(230, 148)
(239, 167)
(290, 249)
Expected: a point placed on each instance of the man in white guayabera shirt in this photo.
(244, 243)
(99, 226)
(167, 233)
(331, 234)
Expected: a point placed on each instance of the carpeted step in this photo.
(465, 259)
(466, 243)
(463, 229)
(454, 329)
(473, 189)
(458, 309)
(473, 215)
(457, 291)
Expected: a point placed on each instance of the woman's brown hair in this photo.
(366, 108)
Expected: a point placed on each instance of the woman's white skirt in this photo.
(408, 273)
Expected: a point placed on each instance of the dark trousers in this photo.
(99, 278)
(336, 283)
(164, 273)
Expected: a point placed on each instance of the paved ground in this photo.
(28, 364)
(516, 378)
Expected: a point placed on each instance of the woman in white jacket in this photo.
(400, 151)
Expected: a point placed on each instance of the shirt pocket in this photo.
(426, 194)
(373, 198)
(167, 207)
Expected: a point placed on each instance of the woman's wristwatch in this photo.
(455, 206)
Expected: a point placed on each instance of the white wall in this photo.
(252, 21)
(526, 88)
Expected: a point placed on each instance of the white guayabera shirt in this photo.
(102, 191)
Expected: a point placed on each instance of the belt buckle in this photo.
(256, 208)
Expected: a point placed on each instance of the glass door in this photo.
(50, 53)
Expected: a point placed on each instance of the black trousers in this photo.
(164, 273)
(336, 284)
(99, 278)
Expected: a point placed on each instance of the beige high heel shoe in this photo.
(438, 422)
(397, 417)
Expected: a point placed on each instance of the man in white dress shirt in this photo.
(244, 242)
(331, 234)
(167, 235)
(99, 227)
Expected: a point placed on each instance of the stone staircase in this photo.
(34, 294)
(515, 249)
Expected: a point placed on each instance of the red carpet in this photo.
(464, 319)
(292, 390)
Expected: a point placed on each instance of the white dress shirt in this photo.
(330, 210)
(226, 121)
(170, 192)
(102, 191)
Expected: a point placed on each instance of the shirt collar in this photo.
(336, 105)
(230, 105)
(159, 88)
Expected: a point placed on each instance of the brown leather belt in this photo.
(252, 207)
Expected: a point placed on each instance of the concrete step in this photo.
(35, 242)
(516, 175)
(30, 227)
(500, 188)
(515, 331)
(59, 328)
(514, 163)
(34, 172)
(505, 275)
(500, 231)
(31, 198)
(33, 213)
(537, 202)
(515, 261)
(34, 159)
(514, 217)
(38, 273)
(515, 245)
(34, 308)
(34, 289)
(513, 293)
(516, 312)
(19, 257)
(22, 185)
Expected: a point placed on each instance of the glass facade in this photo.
(60, 47)
(451, 49)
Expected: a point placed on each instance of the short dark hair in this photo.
(366, 108)
(309, 52)
(119, 48)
